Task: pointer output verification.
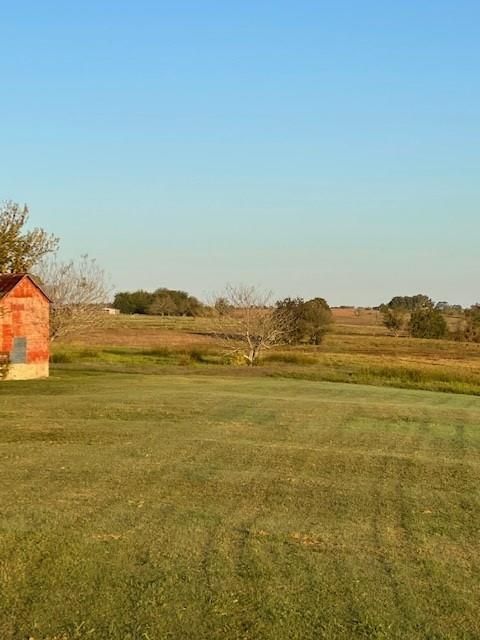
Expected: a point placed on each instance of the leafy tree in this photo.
(133, 302)
(180, 303)
(410, 303)
(20, 250)
(427, 323)
(317, 318)
(161, 302)
(446, 307)
(309, 321)
(393, 318)
(472, 323)
(293, 308)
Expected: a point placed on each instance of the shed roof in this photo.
(8, 282)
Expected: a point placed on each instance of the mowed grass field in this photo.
(204, 507)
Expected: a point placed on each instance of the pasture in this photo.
(149, 507)
(357, 350)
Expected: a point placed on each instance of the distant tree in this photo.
(471, 330)
(427, 322)
(133, 302)
(293, 308)
(393, 318)
(79, 291)
(309, 320)
(446, 307)
(249, 325)
(162, 305)
(317, 318)
(410, 303)
(221, 306)
(183, 303)
(21, 249)
(162, 302)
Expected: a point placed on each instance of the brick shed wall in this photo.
(24, 313)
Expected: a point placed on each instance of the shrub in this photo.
(472, 324)
(308, 322)
(393, 319)
(427, 323)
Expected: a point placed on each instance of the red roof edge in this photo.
(8, 282)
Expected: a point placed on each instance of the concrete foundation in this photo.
(27, 371)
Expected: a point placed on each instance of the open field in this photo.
(357, 350)
(193, 507)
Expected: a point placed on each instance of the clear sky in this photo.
(309, 147)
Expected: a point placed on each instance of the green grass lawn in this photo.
(200, 507)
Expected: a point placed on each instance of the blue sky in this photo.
(308, 147)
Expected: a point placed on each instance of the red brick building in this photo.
(24, 327)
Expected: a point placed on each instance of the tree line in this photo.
(161, 302)
(309, 320)
(421, 317)
(247, 322)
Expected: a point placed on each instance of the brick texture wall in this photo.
(24, 313)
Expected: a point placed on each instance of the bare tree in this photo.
(79, 291)
(247, 322)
